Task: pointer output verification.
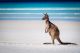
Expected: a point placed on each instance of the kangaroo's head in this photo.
(46, 17)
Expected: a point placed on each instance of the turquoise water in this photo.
(40, 4)
(56, 11)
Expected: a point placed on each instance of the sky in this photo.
(35, 11)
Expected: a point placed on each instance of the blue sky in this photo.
(32, 11)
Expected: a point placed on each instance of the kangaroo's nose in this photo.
(42, 18)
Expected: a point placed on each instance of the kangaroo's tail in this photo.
(63, 43)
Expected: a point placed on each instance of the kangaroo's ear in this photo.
(46, 13)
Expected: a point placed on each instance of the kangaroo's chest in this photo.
(46, 24)
(50, 26)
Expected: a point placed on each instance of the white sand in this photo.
(27, 36)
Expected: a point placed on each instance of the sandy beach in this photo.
(28, 36)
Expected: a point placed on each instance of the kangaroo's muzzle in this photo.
(43, 18)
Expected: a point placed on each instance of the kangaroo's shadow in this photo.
(48, 43)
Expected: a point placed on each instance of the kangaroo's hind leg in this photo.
(52, 37)
(52, 40)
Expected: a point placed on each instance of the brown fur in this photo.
(53, 30)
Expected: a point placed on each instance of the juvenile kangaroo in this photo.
(52, 30)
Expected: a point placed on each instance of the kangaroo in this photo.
(53, 30)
